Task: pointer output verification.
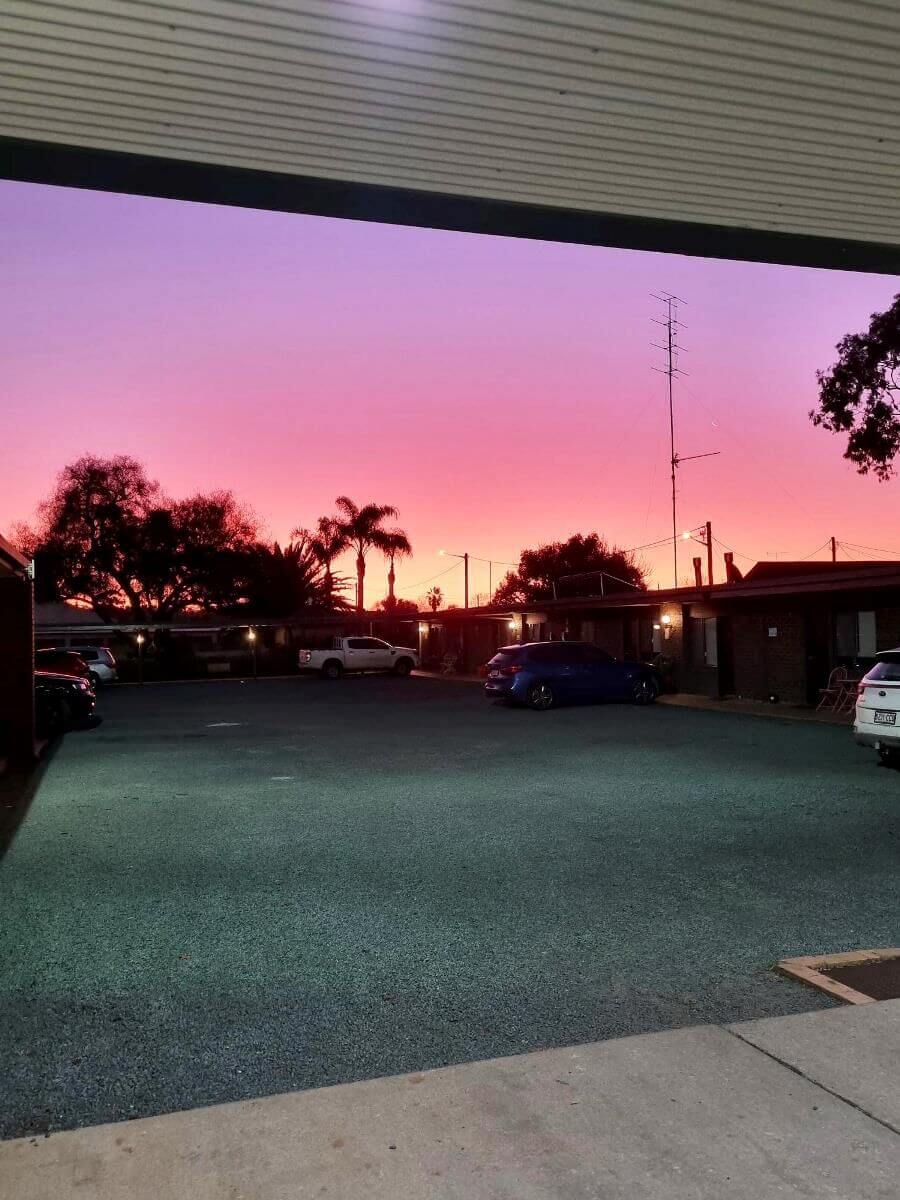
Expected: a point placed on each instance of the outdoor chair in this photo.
(832, 695)
(448, 664)
(847, 702)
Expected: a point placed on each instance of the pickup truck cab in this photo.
(357, 654)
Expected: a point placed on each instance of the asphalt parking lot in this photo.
(233, 889)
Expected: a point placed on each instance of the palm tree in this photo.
(396, 545)
(284, 580)
(435, 598)
(326, 542)
(362, 529)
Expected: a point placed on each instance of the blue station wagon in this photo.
(544, 674)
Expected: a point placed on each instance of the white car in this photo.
(357, 654)
(101, 664)
(878, 707)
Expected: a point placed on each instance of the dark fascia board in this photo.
(208, 183)
(12, 557)
(219, 624)
(473, 614)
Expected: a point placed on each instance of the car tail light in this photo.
(860, 690)
(512, 670)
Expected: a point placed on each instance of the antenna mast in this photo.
(671, 348)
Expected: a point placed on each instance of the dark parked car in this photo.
(544, 674)
(62, 702)
(61, 662)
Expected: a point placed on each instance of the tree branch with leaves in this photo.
(860, 394)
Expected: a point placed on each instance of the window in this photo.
(704, 646)
(571, 652)
(711, 641)
(854, 635)
(595, 655)
(358, 643)
(546, 653)
(866, 635)
(889, 672)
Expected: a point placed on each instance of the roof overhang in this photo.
(722, 130)
(12, 561)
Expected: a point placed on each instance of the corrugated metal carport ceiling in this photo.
(776, 117)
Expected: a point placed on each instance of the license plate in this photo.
(885, 718)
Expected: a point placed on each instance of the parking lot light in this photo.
(251, 638)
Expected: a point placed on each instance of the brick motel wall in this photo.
(770, 655)
(17, 734)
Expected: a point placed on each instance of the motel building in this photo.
(775, 634)
(17, 734)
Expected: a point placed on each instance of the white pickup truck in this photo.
(358, 654)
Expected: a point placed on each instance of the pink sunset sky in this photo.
(499, 392)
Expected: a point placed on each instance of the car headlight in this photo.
(83, 685)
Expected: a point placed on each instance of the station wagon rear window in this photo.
(885, 672)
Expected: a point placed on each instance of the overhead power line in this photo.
(818, 550)
(874, 549)
(414, 586)
(731, 550)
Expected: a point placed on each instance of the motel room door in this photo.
(818, 652)
(725, 648)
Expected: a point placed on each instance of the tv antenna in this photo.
(672, 349)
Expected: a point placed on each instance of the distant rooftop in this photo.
(785, 568)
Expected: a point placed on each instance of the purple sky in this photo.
(498, 392)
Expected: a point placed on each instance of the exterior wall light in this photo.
(666, 619)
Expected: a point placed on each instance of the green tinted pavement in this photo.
(230, 890)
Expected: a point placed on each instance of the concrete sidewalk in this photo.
(757, 708)
(801, 1106)
(730, 704)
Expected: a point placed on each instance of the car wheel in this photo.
(645, 691)
(63, 717)
(541, 697)
(54, 718)
(403, 666)
(888, 756)
(332, 669)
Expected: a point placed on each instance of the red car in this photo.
(61, 662)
